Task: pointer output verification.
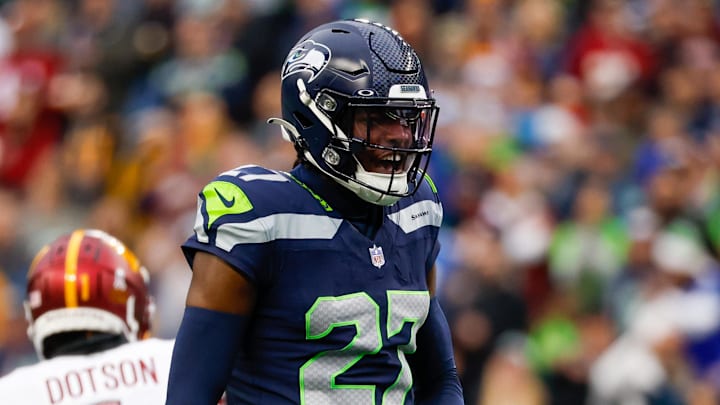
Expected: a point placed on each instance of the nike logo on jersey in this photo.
(224, 198)
(225, 201)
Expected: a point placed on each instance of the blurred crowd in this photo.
(577, 155)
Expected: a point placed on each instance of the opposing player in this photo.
(316, 286)
(89, 314)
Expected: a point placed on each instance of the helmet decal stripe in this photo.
(71, 261)
(85, 287)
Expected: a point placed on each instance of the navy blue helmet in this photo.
(343, 84)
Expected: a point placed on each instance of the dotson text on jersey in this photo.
(105, 377)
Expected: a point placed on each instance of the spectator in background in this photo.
(509, 377)
(673, 330)
(607, 54)
(480, 301)
(266, 38)
(29, 125)
(15, 257)
(711, 206)
(516, 209)
(589, 249)
(101, 41)
(200, 62)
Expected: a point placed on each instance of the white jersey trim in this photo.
(418, 215)
(199, 227)
(264, 177)
(277, 226)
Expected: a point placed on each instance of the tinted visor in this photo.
(391, 138)
(408, 129)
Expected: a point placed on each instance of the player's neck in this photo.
(363, 215)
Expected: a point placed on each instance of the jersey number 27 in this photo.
(317, 375)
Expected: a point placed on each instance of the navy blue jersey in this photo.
(337, 312)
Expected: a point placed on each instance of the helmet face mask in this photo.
(390, 143)
(356, 105)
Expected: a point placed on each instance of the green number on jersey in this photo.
(318, 375)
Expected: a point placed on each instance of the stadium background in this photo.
(577, 154)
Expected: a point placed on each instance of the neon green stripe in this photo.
(431, 183)
(71, 270)
(322, 202)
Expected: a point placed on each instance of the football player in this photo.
(316, 286)
(89, 314)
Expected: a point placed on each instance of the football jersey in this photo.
(131, 374)
(337, 312)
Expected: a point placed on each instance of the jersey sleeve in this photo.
(429, 192)
(233, 220)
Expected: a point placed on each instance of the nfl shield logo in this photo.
(377, 257)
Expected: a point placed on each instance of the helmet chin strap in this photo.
(395, 183)
(370, 195)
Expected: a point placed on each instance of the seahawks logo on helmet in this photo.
(308, 56)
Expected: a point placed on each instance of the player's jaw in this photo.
(384, 161)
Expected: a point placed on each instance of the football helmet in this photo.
(87, 281)
(356, 104)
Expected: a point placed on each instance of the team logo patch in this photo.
(308, 56)
(376, 256)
